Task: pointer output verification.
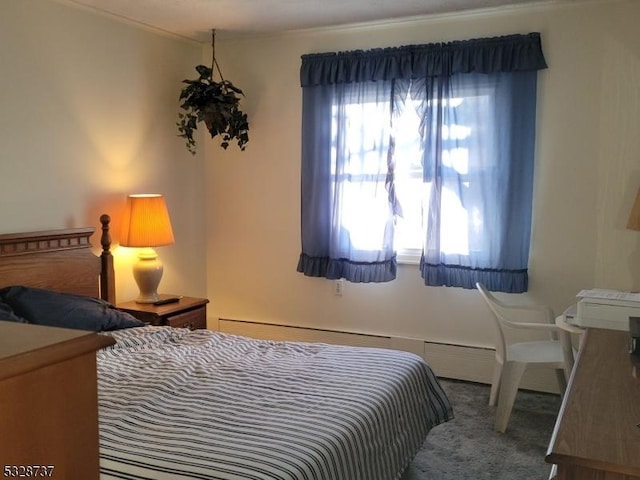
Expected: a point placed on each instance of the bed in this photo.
(181, 404)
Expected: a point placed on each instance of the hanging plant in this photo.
(217, 104)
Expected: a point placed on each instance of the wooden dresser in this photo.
(48, 402)
(597, 436)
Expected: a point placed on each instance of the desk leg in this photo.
(567, 350)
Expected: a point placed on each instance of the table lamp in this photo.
(634, 217)
(146, 225)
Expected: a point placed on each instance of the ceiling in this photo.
(194, 19)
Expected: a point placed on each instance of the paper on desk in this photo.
(609, 295)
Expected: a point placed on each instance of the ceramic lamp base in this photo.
(148, 273)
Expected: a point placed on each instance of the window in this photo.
(438, 166)
(414, 192)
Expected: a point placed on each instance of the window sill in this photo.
(409, 257)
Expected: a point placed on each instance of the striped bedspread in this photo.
(175, 404)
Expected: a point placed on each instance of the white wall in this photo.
(88, 115)
(88, 107)
(587, 173)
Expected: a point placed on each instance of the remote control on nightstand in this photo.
(165, 301)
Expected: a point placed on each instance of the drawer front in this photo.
(146, 317)
(192, 319)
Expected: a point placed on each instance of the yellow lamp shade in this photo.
(146, 222)
(634, 217)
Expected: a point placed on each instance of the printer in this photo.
(611, 309)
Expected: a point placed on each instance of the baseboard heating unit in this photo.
(460, 362)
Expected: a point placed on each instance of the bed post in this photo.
(107, 274)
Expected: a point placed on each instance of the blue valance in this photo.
(511, 53)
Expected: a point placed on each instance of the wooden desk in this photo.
(48, 401)
(596, 436)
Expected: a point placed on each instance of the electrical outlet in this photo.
(338, 287)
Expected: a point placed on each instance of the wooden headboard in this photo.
(59, 260)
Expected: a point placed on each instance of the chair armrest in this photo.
(535, 326)
(547, 311)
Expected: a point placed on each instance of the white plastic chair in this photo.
(512, 358)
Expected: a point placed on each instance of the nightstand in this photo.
(189, 312)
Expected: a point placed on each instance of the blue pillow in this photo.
(8, 315)
(46, 307)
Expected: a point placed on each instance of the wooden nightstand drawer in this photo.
(192, 320)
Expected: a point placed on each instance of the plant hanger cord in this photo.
(216, 104)
(214, 62)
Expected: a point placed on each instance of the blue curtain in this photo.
(476, 100)
(347, 213)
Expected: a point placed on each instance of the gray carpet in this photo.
(468, 448)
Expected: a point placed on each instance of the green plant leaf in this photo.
(204, 71)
